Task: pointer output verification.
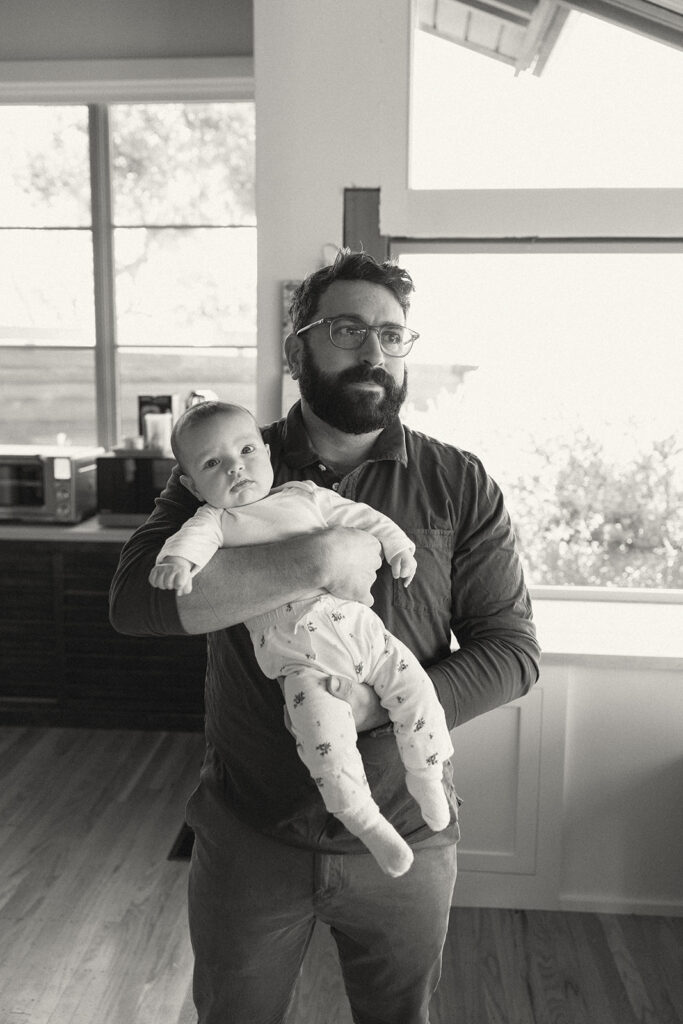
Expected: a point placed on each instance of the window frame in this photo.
(97, 85)
(600, 214)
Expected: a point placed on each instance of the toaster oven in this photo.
(56, 484)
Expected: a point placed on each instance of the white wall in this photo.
(330, 85)
(623, 806)
(572, 795)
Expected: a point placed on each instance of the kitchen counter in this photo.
(89, 530)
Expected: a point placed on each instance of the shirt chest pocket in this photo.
(431, 587)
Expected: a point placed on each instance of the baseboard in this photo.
(515, 892)
(613, 905)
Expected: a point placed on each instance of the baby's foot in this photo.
(389, 849)
(429, 794)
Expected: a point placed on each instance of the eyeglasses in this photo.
(349, 333)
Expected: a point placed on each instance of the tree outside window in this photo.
(184, 243)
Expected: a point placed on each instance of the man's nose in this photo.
(371, 350)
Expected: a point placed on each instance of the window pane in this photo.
(230, 373)
(186, 286)
(563, 372)
(604, 113)
(183, 163)
(182, 178)
(44, 167)
(46, 288)
(45, 393)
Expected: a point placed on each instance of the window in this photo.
(543, 228)
(561, 368)
(605, 112)
(127, 263)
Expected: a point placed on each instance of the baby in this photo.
(225, 463)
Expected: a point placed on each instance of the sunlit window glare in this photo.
(604, 113)
(562, 371)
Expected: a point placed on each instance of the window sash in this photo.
(97, 84)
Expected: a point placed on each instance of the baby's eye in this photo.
(210, 463)
(249, 449)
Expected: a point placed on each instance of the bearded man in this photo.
(268, 860)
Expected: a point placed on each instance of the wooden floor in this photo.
(93, 921)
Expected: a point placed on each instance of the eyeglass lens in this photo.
(346, 333)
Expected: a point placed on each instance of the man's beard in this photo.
(351, 410)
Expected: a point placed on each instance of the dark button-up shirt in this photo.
(469, 588)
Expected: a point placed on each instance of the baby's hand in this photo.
(403, 566)
(172, 575)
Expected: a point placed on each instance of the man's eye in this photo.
(351, 330)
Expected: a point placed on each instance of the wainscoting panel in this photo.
(509, 772)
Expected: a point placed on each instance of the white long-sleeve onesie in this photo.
(321, 636)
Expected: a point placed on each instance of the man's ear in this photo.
(188, 482)
(293, 346)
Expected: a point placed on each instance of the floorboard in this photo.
(93, 913)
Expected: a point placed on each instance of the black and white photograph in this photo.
(409, 274)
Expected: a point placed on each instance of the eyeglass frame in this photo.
(414, 335)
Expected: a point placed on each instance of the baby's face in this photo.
(227, 461)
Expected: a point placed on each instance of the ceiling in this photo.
(522, 33)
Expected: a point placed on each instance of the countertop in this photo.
(89, 530)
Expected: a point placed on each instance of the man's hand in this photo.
(367, 711)
(173, 574)
(351, 560)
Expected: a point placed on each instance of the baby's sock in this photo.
(389, 849)
(429, 794)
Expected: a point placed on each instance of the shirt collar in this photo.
(299, 452)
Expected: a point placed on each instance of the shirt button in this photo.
(335, 487)
(321, 467)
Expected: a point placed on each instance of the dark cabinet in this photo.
(30, 641)
(61, 661)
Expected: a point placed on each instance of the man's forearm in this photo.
(484, 676)
(240, 583)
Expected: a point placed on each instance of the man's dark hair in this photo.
(349, 266)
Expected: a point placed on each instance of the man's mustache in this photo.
(366, 375)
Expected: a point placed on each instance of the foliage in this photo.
(182, 196)
(172, 163)
(180, 163)
(586, 518)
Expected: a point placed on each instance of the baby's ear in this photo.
(188, 482)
